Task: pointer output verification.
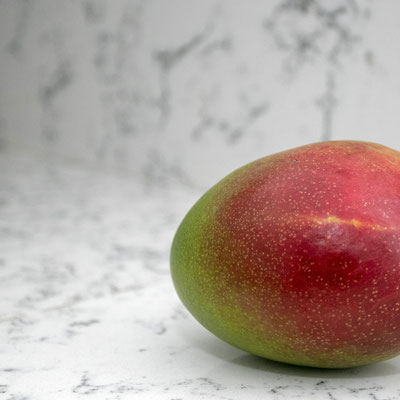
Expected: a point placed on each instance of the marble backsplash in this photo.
(189, 90)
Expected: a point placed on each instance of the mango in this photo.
(295, 257)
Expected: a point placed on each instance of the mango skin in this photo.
(296, 257)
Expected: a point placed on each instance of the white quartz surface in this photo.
(88, 310)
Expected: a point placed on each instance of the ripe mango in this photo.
(296, 256)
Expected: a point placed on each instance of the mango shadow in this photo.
(210, 344)
(385, 368)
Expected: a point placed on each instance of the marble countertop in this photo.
(88, 310)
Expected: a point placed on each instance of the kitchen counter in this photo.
(88, 310)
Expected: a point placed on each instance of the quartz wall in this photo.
(188, 90)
